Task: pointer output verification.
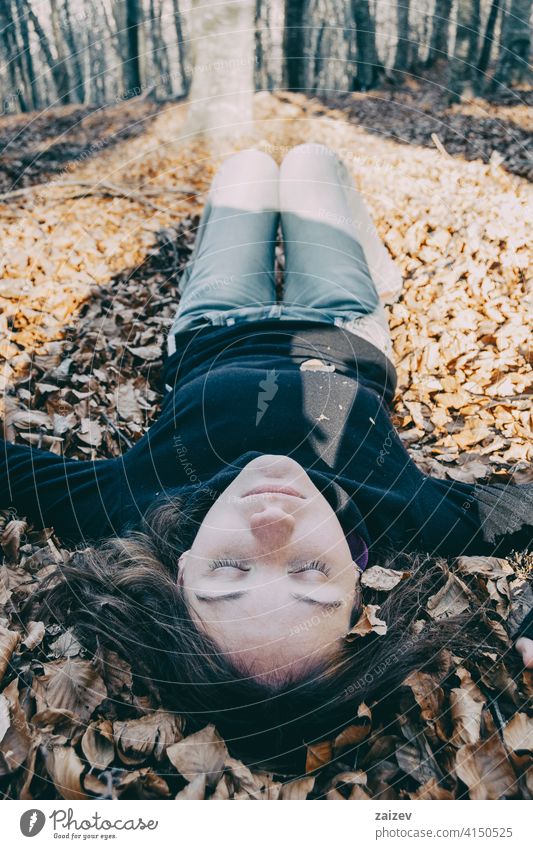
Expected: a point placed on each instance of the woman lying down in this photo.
(236, 531)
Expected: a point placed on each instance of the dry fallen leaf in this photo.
(485, 770)
(368, 623)
(518, 732)
(203, 753)
(72, 685)
(453, 598)
(8, 642)
(15, 733)
(137, 739)
(379, 578)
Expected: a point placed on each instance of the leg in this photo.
(232, 265)
(335, 262)
(334, 256)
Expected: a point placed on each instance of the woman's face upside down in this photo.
(270, 576)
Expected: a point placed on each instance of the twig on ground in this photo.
(109, 189)
(117, 431)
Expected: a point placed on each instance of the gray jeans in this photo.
(337, 269)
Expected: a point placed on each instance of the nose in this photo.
(272, 524)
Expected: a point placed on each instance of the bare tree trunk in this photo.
(68, 32)
(131, 66)
(438, 45)
(462, 69)
(27, 58)
(294, 44)
(65, 91)
(486, 44)
(369, 68)
(12, 53)
(182, 57)
(513, 65)
(159, 49)
(221, 93)
(57, 66)
(402, 55)
(317, 64)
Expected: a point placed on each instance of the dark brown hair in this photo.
(124, 595)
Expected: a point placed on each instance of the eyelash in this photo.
(313, 565)
(221, 564)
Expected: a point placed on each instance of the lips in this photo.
(272, 489)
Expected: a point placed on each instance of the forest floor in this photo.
(97, 224)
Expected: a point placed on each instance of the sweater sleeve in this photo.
(474, 519)
(81, 500)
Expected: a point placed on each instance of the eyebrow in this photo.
(210, 599)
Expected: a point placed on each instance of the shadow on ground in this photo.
(411, 114)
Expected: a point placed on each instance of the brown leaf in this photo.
(195, 789)
(65, 769)
(146, 352)
(72, 685)
(431, 790)
(297, 790)
(138, 739)
(98, 744)
(518, 733)
(126, 402)
(485, 770)
(428, 694)
(318, 755)
(453, 598)
(490, 567)
(11, 539)
(355, 782)
(90, 432)
(368, 623)
(465, 712)
(35, 632)
(203, 753)
(379, 578)
(15, 733)
(8, 642)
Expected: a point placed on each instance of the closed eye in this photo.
(228, 564)
(312, 566)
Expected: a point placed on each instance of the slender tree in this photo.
(486, 44)
(294, 42)
(513, 66)
(159, 48)
(56, 64)
(438, 45)
(14, 65)
(462, 68)
(74, 57)
(182, 48)
(131, 67)
(402, 54)
(26, 57)
(369, 68)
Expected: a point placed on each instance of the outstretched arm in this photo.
(81, 500)
(474, 519)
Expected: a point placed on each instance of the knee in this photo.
(252, 162)
(308, 150)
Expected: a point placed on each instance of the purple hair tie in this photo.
(358, 550)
